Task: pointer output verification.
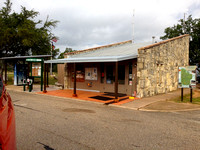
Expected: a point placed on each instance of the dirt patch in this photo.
(169, 105)
(196, 94)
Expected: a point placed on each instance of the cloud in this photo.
(89, 23)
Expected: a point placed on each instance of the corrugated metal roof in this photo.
(106, 54)
(118, 50)
(24, 57)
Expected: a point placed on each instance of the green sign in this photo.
(33, 60)
(187, 77)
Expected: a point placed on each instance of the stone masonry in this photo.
(157, 65)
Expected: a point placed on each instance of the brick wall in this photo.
(157, 66)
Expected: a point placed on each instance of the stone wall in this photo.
(157, 66)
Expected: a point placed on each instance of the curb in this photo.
(151, 110)
(119, 106)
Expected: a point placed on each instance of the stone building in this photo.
(142, 68)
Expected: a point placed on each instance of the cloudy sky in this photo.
(90, 23)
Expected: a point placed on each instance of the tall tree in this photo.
(67, 50)
(20, 34)
(189, 26)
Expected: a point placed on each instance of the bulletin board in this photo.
(36, 69)
(90, 73)
(79, 76)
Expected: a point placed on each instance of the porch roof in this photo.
(114, 53)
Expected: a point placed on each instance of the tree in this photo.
(55, 52)
(21, 35)
(189, 26)
(67, 50)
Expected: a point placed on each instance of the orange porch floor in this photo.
(85, 95)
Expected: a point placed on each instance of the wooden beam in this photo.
(74, 95)
(116, 82)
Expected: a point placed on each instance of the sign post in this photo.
(181, 94)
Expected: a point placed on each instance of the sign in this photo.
(187, 77)
(36, 69)
(79, 76)
(33, 60)
(90, 73)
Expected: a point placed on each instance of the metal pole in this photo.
(74, 95)
(51, 58)
(116, 81)
(181, 94)
(47, 75)
(5, 72)
(45, 78)
(191, 95)
(42, 65)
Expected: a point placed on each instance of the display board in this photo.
(187, 77)
(36, 69)
(90, 73)
(80, 76)
(20, 73)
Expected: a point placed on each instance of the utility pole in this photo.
(184, 24)
(133, 25)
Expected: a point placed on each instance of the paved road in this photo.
(45, 122)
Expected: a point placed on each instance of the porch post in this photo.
(42, 71)
(116, 82)
(5, 72)
(74, 95)
(45, 77)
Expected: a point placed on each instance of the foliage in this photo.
(21, 35)
(186, 99)
(67, 50)
(55, 53)
(52, 79)
(189, 26)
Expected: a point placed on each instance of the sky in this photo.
(90, 23)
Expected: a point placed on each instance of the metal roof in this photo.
(106, 54)
(24, 57)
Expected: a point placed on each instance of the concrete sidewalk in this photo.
(161, 103)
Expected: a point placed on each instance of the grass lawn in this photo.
(52, 80)
(186, 98)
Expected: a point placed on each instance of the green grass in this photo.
(10, 79)
(186, 99)
(52, 80)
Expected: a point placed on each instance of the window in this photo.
(109, 74)
(121, 74)
(130, 74)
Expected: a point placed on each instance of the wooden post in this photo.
(5, 72)
(74, 95)
(45, 77)
(116, 82)
(190, 95)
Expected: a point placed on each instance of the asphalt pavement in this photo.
(51, 123)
